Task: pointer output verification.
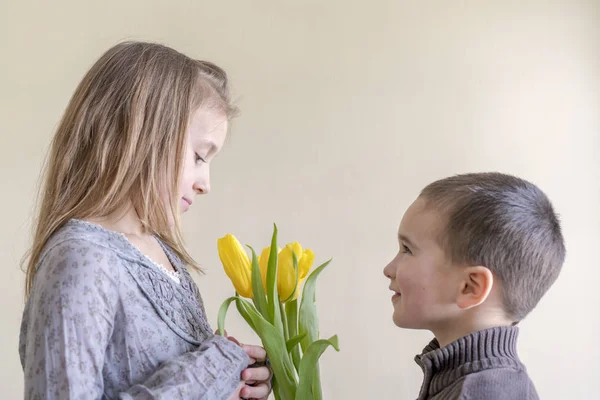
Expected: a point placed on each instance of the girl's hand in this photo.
(256, 380)
(236, 393)
(257, 377)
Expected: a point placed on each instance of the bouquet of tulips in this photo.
(289, 334)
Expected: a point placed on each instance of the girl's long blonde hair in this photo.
(121, 141)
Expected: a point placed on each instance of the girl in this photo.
(112, 311)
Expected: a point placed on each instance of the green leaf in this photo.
(293, 342)
(308, 321)
(258, 291)
(274, 344)
(316, 385)
(276, 389)
(223, 313)
(244, 314)
(273, 296)
(291, 310)
(308, 364)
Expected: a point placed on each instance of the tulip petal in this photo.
(286, 274)
(297, 248)
(263, 261)
(236, 264)
(305, 263)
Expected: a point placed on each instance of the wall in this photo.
(348, 109)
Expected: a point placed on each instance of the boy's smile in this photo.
(422, 276)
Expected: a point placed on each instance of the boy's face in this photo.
(422, 277)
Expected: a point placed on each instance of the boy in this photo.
(477, 252)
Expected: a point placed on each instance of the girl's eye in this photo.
(405, 249)
(198, 158)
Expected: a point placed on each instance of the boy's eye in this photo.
(405, 249)
(198, 158)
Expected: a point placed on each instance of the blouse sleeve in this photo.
(67, 325)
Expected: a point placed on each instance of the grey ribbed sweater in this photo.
(483, 365)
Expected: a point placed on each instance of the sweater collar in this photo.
(486, 349)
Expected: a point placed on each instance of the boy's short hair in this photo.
(505, 224)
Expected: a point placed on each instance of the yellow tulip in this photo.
(286, 274)
(263, 261)
(236, 264)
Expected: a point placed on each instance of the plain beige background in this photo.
(348, 109)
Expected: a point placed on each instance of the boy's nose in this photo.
(387, 271)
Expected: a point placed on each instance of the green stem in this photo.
(291, 311)
(287, 336)
(286, 331)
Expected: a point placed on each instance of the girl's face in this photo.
(205, 138)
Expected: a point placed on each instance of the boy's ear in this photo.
(475, 287)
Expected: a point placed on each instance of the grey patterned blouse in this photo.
(103, 322)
